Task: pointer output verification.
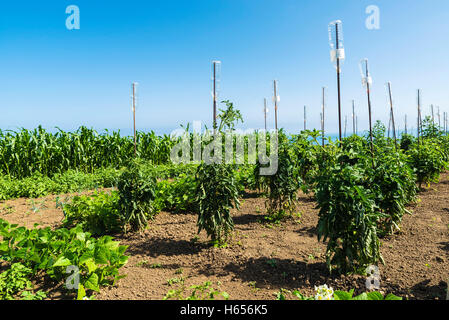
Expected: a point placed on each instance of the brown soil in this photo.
(262, 258)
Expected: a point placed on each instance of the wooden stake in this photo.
(431, 109)
(134, 118)
(392, 113)
(265, 112)
(419, 115)
(338, 80)
(215, 96)
(369, 108)
(346, 123)
(353, 117)
(405, 120)
(275, 105)
(322, 112)
(305, 118)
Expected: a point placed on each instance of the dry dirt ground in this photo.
(262, 259)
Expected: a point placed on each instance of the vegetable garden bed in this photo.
(263, 259)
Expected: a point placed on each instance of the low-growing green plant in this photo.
(14, 280)
(203, 291)
(39, 295)
(52, 251)
(326, 293)
(39, 185)
(177, 195)
(98, 213)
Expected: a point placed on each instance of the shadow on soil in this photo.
(309, 231)
(155, 247)
(444, 246)
(246, 219)
(282, 273)
(424, 291)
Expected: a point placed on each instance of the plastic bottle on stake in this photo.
(337, 52)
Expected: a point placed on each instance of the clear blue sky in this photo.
(57, 77)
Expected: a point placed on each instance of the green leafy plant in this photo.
(325, 293)
(282, 187)
(14, 280)
(427, 159)
(52, 251)
(203, 291)
(137, 193)
(348, 216)
(98, 214)
(217, 193)
(374, 295)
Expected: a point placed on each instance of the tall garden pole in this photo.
(367, 81)
(305, 118)
(346, 125)
(389, 125)
(433, 118)
(265, 111)
(323, 103)
(353, 117)
(390, 95)
(405, 121)
(276, 100)
(337, 56)
(445, 122)
(215, 83)
(134, 117)
(419, 115)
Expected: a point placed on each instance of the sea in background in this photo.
(168, 131)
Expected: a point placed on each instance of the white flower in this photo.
(324, 293)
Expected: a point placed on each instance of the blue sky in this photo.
(58, 77)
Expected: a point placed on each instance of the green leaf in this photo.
(375, 296)
(62, 262)
(92, 282)
(81, 292)
(391, 296)
(91, 266)
(101, 255)
(342, 295)
(363, 296)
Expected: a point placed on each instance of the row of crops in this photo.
(25, 152)
(362, 189)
